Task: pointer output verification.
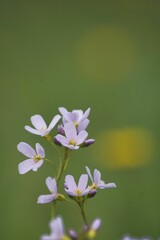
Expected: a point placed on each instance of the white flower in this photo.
(57, 231)
(71, 187)
(35, 158)
(52, 186)
(72, 139)
(97, 182)
(77, 117)
(40, 125)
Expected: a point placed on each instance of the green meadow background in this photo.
(79, 54)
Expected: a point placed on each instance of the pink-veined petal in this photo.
(45, 198)
(25, 166)
(32, 130)
(89, 173)
(40, 150)
(51, 185)
(38, 122)
(70, 183)
(37, 165)
(97, 176)
(81, 137)
(70, 131)
(82, 184)
(54, 122)
(26, 149)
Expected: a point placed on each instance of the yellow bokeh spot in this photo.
(125, 148)
(106, 53)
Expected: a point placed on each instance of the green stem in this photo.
(53, 209)
(63, 165)
(83, 213)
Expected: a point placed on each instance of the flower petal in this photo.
(108, 185)
(89, 173)
(86, 114)
(38, 122)
(37, 165)
(40, 150)
(81, 137)
(63, 111)
(26, 149)
(45, 198)
(70, 131)
(83, 125)
(25, 166)
(82, 184)
(32, 130)
(54, 122)
(47, 237)
(60, 138)
(51, 185)
(77, 115)
(97, 176)
(70, 183)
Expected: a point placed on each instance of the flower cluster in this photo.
(71, 135)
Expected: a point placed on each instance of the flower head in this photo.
(72, 139)
(57, 231)
(52, 187)
(40, 125)
(76, 117)
(97, 182)
(35, 158)
(72, 189)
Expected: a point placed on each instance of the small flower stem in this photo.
(53, 209)
(55, 147)
(83, 213)
(63, 165)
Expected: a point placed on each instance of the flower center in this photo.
(37, 158)
(72, 142)
(93, 186)
(78, 191)
(75, 124)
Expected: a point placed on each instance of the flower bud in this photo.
(61, 130)
(60, 197)
(92, 193)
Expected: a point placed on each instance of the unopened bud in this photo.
(60, 197)
(56, 141)
(92, 193)
(60, 130)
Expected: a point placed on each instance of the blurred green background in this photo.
(79, 54)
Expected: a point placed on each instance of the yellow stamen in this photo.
(78, 191)
(72, 142)
(93, 186)
(37, 158)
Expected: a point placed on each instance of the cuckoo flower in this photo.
(40, 125)
(52, 186)
(72, 189)
(76, 117)
(57, 231)
(72, 139)
(97, 182)
(35, 158)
